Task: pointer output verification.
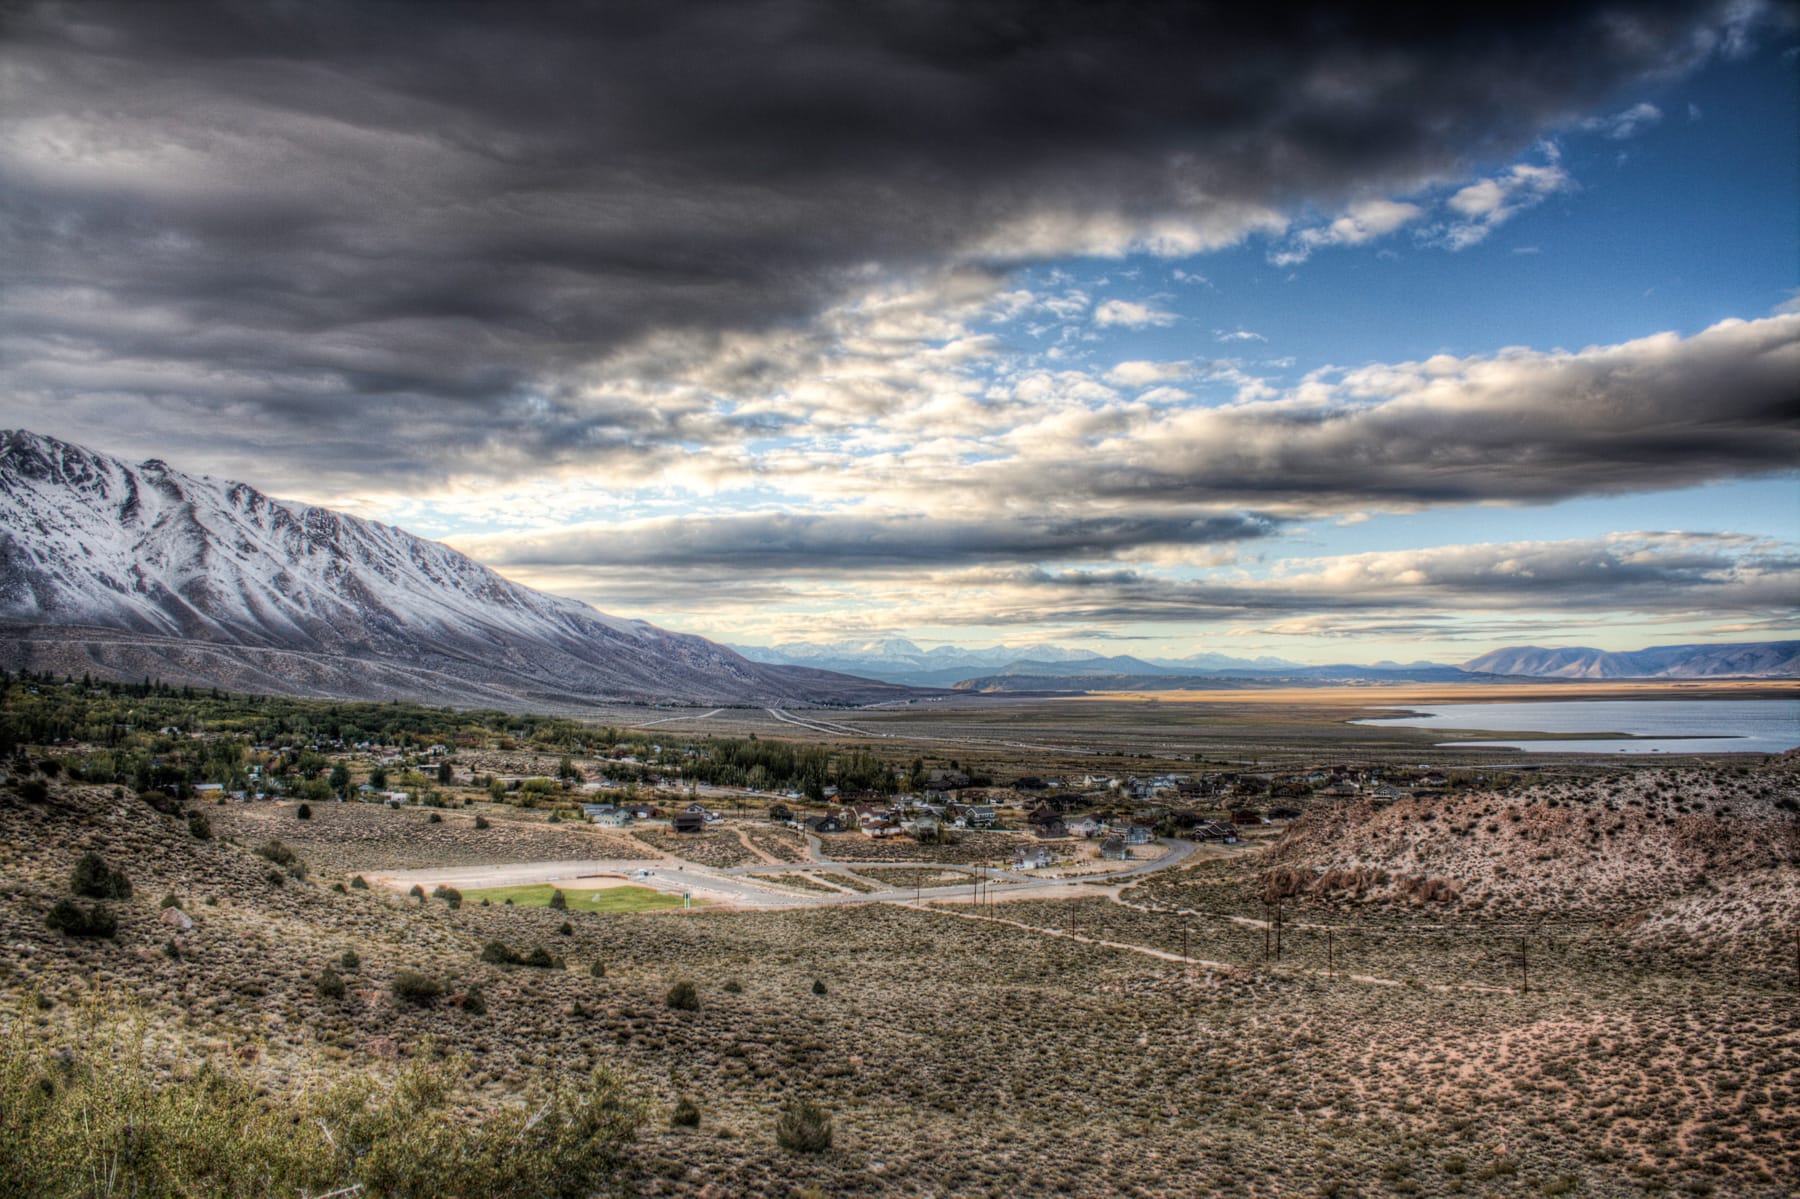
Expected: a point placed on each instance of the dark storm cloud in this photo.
(785, 544)
(387, 232)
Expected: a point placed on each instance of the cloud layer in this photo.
(410, 237)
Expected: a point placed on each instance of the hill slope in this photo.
(133, 569)
(1756, 659)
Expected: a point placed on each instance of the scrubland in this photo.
(1556, 991)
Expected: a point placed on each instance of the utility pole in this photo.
(1330, 956)
(1524, 970)
(1278, 930)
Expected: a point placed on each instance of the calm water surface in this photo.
(1670, 726)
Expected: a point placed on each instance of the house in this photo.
(1031, 857)
(881, 828)
(1087, 826)
(1215, 830)
(824, 824)
(1050, 829)
(687, 822)
(923, 827)
(209, 788)
(781, 814)
(979, 815)
(1137, 834)
(1113, 850)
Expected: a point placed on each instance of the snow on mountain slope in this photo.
(87, 539)
(1757, 659)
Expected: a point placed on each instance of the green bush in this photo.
(359, 883)
(734, 987)
(434, 818)
(96, 880)
(90, 1112)
(683, 997)
(473, 1001)
(559, 901)
(34, 791)
(349, 959)
(597, 970)
(303, 812)
(420, 990)
(819, 987)
(72, 919)
(803, 1127)
(566, 929)
(330, 984)
(686, 1114)
(481, 822)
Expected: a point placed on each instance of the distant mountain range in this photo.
(1752, 659)
(897, 660)
(139, 569)
(1003, 668)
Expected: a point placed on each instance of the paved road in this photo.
(733, 887)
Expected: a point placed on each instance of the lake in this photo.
(1670, 726)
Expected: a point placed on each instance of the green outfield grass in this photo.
(613, 899)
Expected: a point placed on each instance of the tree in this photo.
(340, 778)
(93, 878)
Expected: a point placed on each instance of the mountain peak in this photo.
(91, 540)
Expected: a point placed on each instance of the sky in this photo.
(1278, 330)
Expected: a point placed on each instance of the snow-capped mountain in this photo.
(1755, 659)
(210, 581)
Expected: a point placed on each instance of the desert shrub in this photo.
(34, 791)
(96, 880)
(275, 878)
(417, 892)
(686, 1114)
(567, 929)
(420, 990)
(330, 984)
(683, 997)
(597, 970)
(89, 1112)
(498, 953)
(559, 901)
(72, 919)
(734, 987)
(481, 822)
(818, 987)
(359, 883)
(349, 960)
(803, 1127)
(434, 818)
(542, 958)
(303, 812)
(450, 893)
(277, 852)
(171, 900)
(473, 1001)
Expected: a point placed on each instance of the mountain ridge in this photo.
(88, 540)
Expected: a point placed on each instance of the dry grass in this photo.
(963, 1056)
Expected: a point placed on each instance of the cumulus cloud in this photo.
(1519, 426)
(382, 241)
(1131, 315)
(1364, 222)
(1485, 205)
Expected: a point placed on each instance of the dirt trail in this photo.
(1166, 956)
(765, 855)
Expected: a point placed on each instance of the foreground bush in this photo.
(72, 919)
(683, 997)
(804, 1127)
(420, 990)
(88, 1114)
(96, 880)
